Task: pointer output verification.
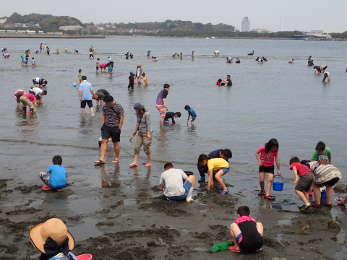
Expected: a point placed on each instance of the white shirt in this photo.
(37, 91)
(172, 180)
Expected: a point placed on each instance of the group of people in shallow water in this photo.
(33, 97)
(227, 82)
(309, 176)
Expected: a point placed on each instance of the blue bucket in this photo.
(278, 184)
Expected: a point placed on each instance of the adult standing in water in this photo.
(143, 135)
(113, 121)
(86, 94)
(161, 102)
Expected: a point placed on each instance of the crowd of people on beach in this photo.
(311, 178)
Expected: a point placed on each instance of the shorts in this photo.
(26, 102)
(187, 186)
(193, 118)
(267, 169)
(305, 182)
(225, 171)
(162, 110)
(85, 102)
(110, 132)
(44, 176)
(142, 140)
(110, 69)
(249, 245)
(332, 182)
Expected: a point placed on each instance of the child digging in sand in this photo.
(217, 167)
(303, 181)
(56, 177)
(246, 232)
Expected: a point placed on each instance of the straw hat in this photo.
(53, 228)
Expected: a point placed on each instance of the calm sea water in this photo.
(275, 99)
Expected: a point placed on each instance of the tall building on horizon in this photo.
(245, 24)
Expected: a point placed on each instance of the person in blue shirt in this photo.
(226, 154)
(56, 176)
(86, 94)
(191, 114)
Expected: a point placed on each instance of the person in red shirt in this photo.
(26, 100)
(303, 181)
(267, 156)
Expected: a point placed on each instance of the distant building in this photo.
(70, 28)
(261, 30)
(3, 20)
(245, 25)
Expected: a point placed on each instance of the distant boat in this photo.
(207, 38)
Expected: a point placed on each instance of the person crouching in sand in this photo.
(176, 184)
(246, 232)
(217, 167)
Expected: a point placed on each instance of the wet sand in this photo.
(126, 218)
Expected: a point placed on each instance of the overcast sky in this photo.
(328, 15)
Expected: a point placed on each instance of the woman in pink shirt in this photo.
(267, 156)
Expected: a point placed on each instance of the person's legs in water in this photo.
(147, 149)
(116, 148)
(218, 177)
(330, 195)
(269, 177)
(138, 144)
(83, 105)
(317, 195)
(261, 183)
(303, 197)
(103, 150)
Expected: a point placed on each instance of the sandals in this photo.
(234, 249)
(147, 165)
(115, 161)
(133, 165)
(269, 197)
(99, 163)
(261, 193)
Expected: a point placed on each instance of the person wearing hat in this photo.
(53, 240)
(143, 135)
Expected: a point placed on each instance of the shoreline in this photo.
(50, 36)
(98, 36)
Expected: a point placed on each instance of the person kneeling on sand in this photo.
(56, 177)
(53, 240)
(246, 232)
(176, 184)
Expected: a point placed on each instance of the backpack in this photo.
(324, 172)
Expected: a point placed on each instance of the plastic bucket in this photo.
(85, 257)
(278, 184)
(323, 195)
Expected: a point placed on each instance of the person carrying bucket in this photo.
(267, 156)
(303, 181)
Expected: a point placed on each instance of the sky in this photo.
(275, 15)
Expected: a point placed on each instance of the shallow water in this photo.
(275, 99)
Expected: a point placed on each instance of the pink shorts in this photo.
(162, 110)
